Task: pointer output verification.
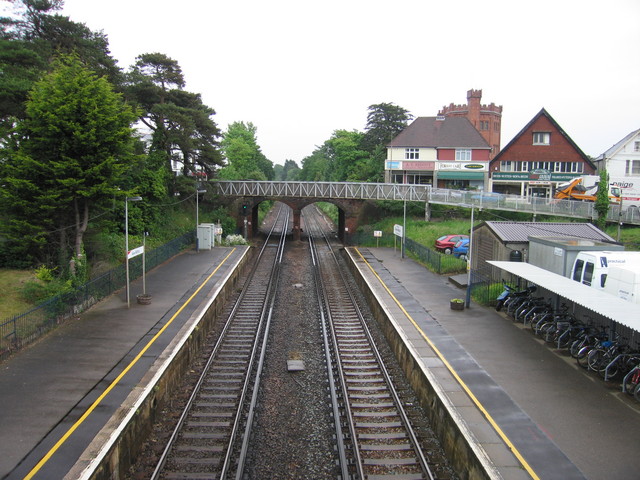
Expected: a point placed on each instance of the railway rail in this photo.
(375, 437)
(209, 440)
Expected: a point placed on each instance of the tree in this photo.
(291, 171)
(75, 147)
(180, 123)
(346, 156)
(245, 159)
(315, 167)
(602, 200)
(29, 40)
(384, 122)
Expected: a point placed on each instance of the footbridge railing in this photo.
(346, 190)
(422, 193)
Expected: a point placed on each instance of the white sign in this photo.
(135, 252)
(377, 233)
(397, 230)
(218, 230)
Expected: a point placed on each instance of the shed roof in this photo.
(440, 132)
(521, 231)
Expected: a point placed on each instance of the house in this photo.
(485, 118)
(509, 241)
(622, 163)
(446, 152)
(538, 158)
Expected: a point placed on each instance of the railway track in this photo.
(210, 439)
(375, 437)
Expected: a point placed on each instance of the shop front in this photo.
(462, 175)
(409, 172)
(534, 184)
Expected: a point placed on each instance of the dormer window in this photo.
(541, 138)
(412, 154)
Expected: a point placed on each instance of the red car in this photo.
(446, 243)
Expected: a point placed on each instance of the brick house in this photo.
(447, 152)
(538, 158)
(487, 119)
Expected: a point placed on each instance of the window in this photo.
(412, 154)
(636, 147)
(541, 138)
(484, 124)
(577, 270)
(463, 154)
(588, 274)
(633, 167)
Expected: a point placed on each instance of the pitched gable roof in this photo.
(521, 231)
(618, 146)
(544, 113)
(435, 132)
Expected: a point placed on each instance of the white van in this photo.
(623, 283)
(592, 267)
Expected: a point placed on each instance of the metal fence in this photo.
(26, 327)
(435, 261)
(426, 194)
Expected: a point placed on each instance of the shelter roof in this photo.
(603, 303)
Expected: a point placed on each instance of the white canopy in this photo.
(605, 304)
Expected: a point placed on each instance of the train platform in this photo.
(57, 394)
(534, 412)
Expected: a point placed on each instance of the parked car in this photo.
(461, 249)
(446, 243)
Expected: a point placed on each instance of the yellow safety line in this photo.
(464, 386)
(97, 402)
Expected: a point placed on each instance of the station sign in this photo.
(135, 252)
(398, 230)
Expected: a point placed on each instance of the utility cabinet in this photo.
(205, 236)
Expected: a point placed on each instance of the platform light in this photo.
(126, 239)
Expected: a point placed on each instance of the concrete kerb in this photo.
(469, 458)
(116, 446)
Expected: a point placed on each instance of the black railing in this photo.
(436, 262)
(26, 327)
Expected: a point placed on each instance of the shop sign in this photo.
(418, 165)
(392, 165)
(540, 175)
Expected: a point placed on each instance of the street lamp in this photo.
(126, 238)
(468, 297)
(198, 192)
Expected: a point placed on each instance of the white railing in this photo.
(420, 193)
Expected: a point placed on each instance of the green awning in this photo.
(460, 175)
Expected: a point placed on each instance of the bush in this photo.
(234, 240)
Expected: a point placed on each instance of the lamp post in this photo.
(468, 297)
(126, 238)
(198, 192)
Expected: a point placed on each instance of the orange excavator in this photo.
(577, 190)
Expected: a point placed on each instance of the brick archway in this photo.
(349, 213)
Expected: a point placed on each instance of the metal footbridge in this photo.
(419, 193)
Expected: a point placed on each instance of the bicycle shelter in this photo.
(604, 304)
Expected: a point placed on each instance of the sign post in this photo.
(398, 231)
(377, 234)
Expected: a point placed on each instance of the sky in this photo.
(299, 70)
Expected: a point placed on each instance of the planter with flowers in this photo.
(457, 304)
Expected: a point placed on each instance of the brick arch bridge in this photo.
(352, 200)
(349, 213)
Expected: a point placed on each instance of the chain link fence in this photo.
(22, 329)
